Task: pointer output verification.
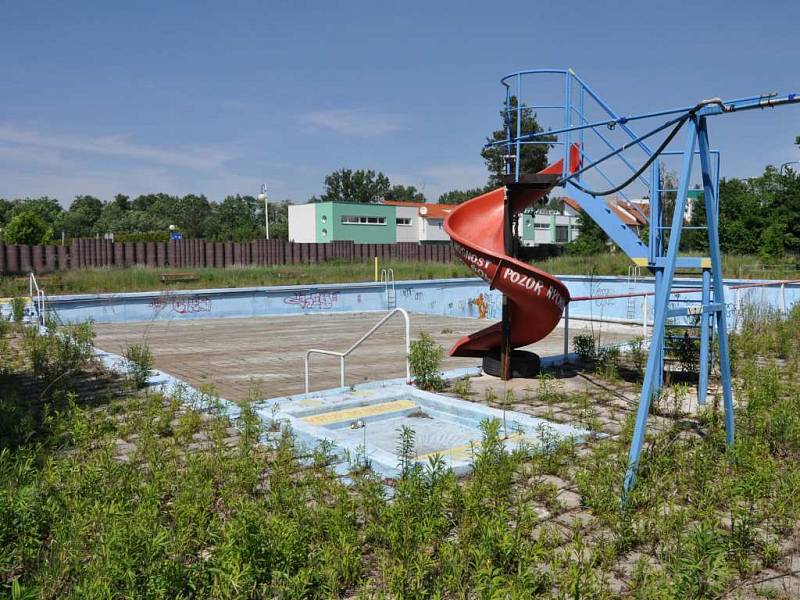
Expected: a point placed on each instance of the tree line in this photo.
(757, 216)
(146, 217)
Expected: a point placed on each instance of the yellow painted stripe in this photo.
(640, 262)
(359, 412)
(464, 451)
(705, 263)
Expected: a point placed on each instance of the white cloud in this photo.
(442, 178)
(356, 122)
(198, 158)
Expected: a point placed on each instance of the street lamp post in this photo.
(262, 197)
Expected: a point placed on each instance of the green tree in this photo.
(81, 218)
(591, 238)
(28, 228)
(190, 214)
(6, 208)
(405, 193)
(236, 218)
(459, 196)
(346, 185)
(741, 217)
(533, 157)
(773, 241)
(278, 219)
(48, 209)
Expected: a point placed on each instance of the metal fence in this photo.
(201, 253)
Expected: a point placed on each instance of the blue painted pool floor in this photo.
(367, 423)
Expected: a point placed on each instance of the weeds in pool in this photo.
(447, 330)
(82, 518)
(490, 396)
(462, 387)
(406, 452)
(608, 360)
(18, 309)
(425, 359)
(637, 355)
(139, 365)
(584, 346)
(508, 399)
(551, 390)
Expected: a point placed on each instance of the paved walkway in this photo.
(263, 356)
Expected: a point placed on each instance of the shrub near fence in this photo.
(200, 253)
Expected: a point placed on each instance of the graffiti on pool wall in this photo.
(308, 299)
(482, 306)
(489, 306)
(411, 293)
(181, 304)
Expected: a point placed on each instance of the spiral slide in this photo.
(536, 299)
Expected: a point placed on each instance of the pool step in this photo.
(359, 412)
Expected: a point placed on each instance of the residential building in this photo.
(546, 226)
(384, 223)
(337, 221)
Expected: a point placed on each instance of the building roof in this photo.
(431, 211)
(626, 211)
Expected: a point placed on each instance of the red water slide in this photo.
(536, 299)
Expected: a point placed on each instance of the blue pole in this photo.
(709, 195)
(519, 125)
(702, 388)
(567, 122)
(660, 320)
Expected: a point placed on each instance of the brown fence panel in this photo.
(150, 254)
(108, 245)
(207, 255)
(219, 254)
(12, 258)
(50, 258)
(141, 259)
(62, 258)
(37, 258)
(119, 254)
(128, 256)
(24, 258)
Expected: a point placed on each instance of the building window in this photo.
(562, 234)
(359, 220)
(541, 225)
(437, 222)
(403, 220)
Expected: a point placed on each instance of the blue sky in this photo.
(216, 97)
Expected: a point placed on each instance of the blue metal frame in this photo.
(663, 264)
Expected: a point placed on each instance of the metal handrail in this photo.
(387, 278)
(345, 354)
(38, 301)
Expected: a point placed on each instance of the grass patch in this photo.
(132, 279)
(105, 495)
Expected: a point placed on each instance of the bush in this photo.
(140, 363)
(425, 358)
(637, 354)
(28, 228)
(54, 355)
(584, 346)
(18, 309)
